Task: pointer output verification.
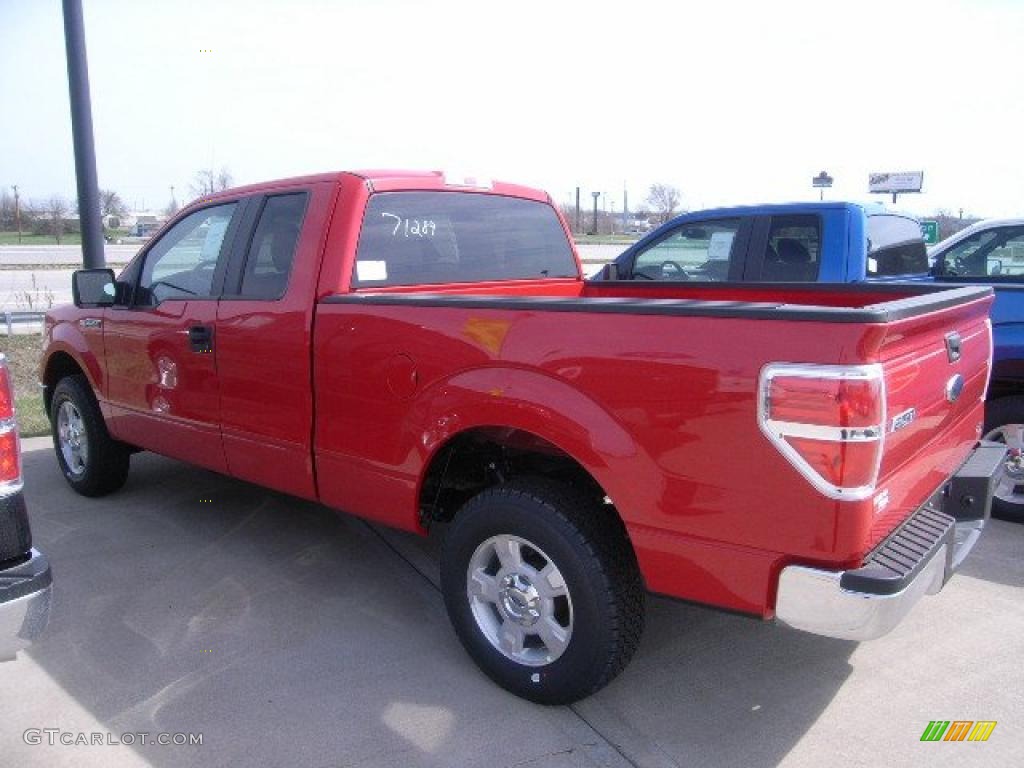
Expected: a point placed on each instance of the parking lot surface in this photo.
(286, 634)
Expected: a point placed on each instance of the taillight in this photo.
(6, 397)
(991, 357)
(10, 456)
(828, 421)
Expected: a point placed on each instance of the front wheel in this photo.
(93, 463)
(543, 590)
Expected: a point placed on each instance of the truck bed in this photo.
(666, 379)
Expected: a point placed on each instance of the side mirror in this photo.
(93, 287)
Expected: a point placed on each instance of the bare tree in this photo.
(56, 208)
(664, 199)
(6, 209)
(111, 203)
(207, 181)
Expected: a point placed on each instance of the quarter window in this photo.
(791, 254)
(699, 251)
(181, 265)
(268, 264)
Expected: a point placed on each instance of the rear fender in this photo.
(548, 408)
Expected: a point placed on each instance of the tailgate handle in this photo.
(953, 346)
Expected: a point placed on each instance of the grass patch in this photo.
(68, 238)
(606, 239)
(22, 352)
(32, 418)
(27, 238)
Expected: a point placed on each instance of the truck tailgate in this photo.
(936, 368)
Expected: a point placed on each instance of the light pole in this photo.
(82, 137)
(17, 213)
(594, 226)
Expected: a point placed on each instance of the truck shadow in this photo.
(287, 634)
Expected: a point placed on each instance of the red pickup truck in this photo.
(416, 349)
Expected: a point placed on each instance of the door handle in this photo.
(200, 338)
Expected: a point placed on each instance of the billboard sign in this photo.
(905, 181)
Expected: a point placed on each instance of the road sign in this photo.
(822, 180)
(930, 232)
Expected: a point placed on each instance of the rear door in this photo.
(162, 383)
(264, 330)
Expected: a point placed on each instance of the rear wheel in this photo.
(543, 590)
(93, 463)
(1004, 423)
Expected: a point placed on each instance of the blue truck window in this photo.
(895, 247)
(793, 248)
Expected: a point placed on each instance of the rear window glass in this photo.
(418, 238)
(895, 247)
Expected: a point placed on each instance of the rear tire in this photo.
(93, 463)
(543, 590)
(1004, 423)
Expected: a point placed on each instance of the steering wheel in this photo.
(673, 266)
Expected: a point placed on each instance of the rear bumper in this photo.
(916, 559)
(25, 591)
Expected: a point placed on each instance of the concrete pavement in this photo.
(289, 635)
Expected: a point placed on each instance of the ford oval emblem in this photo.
(954, 387)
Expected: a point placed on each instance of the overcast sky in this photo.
(731, 102)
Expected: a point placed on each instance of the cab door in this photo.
(264, 336)
(161, 350)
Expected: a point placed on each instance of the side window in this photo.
(268, 264)
(992, 253)
(699, 251)
(182, 263)
(895, 247)
(792, 251)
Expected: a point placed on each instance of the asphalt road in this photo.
(287, 634)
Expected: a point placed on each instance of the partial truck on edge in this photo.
(417, 349)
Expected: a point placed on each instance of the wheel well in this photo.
(60, 365)
(480, 458)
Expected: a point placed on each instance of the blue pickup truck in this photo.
(847, 242)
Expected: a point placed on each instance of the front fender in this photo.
(66, 337)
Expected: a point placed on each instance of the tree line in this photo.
(52, 216)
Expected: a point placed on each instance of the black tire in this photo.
(588, 545)
(999, 413)
(105, 467)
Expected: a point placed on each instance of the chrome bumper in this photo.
(25, 592)
(916, 560)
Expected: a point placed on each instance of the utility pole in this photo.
(82, 136)
(625, 207)
(17, 214)
(579, 217)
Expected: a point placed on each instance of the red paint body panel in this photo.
(349, 402)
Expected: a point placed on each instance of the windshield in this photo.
(419, 238)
